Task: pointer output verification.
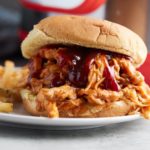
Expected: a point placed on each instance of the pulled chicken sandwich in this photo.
(84, 67)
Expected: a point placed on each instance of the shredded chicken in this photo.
(69, 101)
(48, 99)
(134, 90)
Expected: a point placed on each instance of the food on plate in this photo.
(12, 79)
(6, 107)
(84, 67)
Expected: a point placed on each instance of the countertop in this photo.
(123, 136)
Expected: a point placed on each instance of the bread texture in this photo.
(118, 108)
(86, 32)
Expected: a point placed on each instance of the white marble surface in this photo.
(124, 136)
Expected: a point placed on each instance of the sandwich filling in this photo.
(71, 81)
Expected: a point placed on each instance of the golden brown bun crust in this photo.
(87, 32)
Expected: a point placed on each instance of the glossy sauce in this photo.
(110, 82)
(77, 61)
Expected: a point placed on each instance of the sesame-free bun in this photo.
(116, 108)
(86, 32)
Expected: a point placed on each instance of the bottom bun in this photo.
(117, 108)
(30, 107)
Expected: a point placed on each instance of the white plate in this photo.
(21, 119)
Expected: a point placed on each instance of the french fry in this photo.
(6, 107)
(12, 77)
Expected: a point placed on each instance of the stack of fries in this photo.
(12, 79)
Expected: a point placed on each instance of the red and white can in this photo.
(35, 10)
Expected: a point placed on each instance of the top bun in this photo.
(86, 32)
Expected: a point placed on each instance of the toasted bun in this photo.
(118, 108)
(86, 32)
(30, 107)
(29, 103)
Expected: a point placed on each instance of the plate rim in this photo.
(44, 121)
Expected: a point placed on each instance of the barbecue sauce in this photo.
(77, 61)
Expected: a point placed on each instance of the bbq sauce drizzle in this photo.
(78, 61)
